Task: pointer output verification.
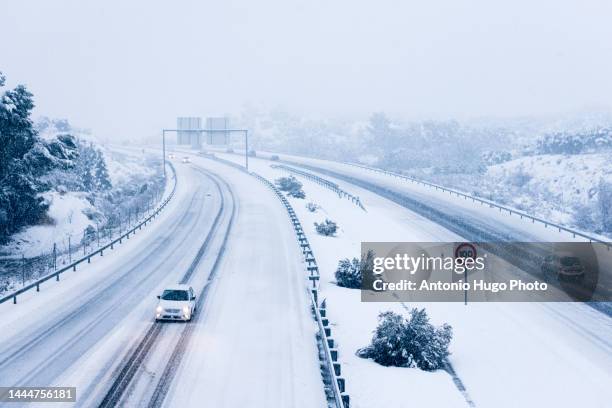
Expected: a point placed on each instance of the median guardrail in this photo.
(322, 182)
(212, 156)
(337, 384)
(100, 251)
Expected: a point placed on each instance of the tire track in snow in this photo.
(135, 359)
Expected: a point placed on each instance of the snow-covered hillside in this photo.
(553, 167)
(80, 190)
(67, 217)
(572, 190)
(547, 184)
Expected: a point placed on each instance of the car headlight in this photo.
(159, 309)
(186, 309)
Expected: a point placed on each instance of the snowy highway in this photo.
(94, 329)
(49, 332)
(226, 235)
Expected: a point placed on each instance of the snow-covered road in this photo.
(105, 304)
(252, 343)
(255, 344)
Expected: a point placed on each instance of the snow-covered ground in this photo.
(561, 188)
(78, 331)
(507, 354)
(48, 332)
(566, 179)
(67, 218)
(122, 167)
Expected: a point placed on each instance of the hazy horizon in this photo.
(126, 70)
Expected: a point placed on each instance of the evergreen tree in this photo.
(20, 203)
(348, 273)
(103, 182)
(88, 181)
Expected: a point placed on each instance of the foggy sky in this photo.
(128, 68)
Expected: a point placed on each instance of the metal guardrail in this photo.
(482, 201)
(126, 235)
(323, 182)
(341, 399)
(485, 202)
(224, 161)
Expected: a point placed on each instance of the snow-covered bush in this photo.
(348, 274)
(327, 227)
(412, 342)
(288, 183)
(312, 207)
(274, 157)
(297, 194)
(291, 186)
(351, 272)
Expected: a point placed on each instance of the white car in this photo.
(186, 160)
(176, 303)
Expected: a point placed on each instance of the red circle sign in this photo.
(465, 250)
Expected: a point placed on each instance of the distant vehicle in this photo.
(186, 160)
(171, 156)
(176, 303)
(564, 267)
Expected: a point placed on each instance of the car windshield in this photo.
(570, 261)
(175, 295)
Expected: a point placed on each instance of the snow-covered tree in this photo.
(412, 342)
(291, 185)
(288, 183)
(327, 227)
(24, 160)
(103, 181)
(88, 180)
(351, 272)
(348, 274)
(312, 207)
(605, 204)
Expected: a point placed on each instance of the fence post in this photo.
(54, 257)
(22, 270)
(69, 251)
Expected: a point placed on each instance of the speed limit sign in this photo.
(465, 250)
